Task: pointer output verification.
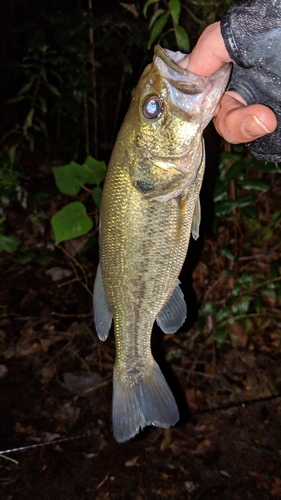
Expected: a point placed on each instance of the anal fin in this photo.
(173, 313)
(102, 313)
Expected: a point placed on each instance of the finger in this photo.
(239, 123)
(209, 54)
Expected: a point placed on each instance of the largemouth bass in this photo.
(150, 206)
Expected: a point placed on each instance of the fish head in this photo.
(170, 109)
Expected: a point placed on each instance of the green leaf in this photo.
(182, 38)
(43, 104)
(219, 335)
(224, 207)
(70, 178)
(27, 86)
(222, 314)
(269, 292)
(209, 308)
(13, 153)
(221, 191)
(250, 212)
(155, 16)
(158, 28)
(30, 138)
(175, 354)
(29, 118)
(53, 89)
(269, 167)
(255, 184)
(147, 4)
(97, 194)
(241, 306)
(8, 243)
(227, 253)
(70, 222)
(96, 170)
(18, 99)
(234, 172)
(248, 325)
(257, 302)
(175, 8)
(244, 201)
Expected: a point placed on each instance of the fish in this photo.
(150, 206)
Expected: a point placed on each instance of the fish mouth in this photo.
(192, 94)
(170, 59)
(159, 52)
(196, 84)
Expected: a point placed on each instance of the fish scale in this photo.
(149, 209)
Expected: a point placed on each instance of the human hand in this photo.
(233, 118)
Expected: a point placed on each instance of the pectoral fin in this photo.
(173, 313)
(196, 220)
(102, 313)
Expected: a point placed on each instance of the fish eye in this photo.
(153, 107)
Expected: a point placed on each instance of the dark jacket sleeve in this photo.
(252, 35)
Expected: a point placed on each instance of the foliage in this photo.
(72, 220)
(7, 243)
(160, 19)
(10, 176)
(39, 71)
(250, 292)
(9, 189)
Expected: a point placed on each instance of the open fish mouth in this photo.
(188, 91)
(166, 61)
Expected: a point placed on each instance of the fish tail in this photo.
(147, 402)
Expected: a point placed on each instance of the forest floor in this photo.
(56, 383)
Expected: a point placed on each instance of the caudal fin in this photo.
(148, 402)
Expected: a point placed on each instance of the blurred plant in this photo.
(10, 176)
(159, 20)
(38, 69)
(240, 174)
(8, 243)
(169, 18)
(248, 305)
(9, 190)
(253, 296)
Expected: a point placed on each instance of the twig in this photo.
(98, 386)
(64, 348)
(102, 483)
(74, 263)
(61, 315)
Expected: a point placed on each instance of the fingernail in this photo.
(253, 127)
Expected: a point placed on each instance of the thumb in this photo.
(209, 54)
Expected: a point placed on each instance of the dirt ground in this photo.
(56, 384)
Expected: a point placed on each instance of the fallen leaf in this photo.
(58, 273)
(3, 371)
(276, 489)
(132, 462)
